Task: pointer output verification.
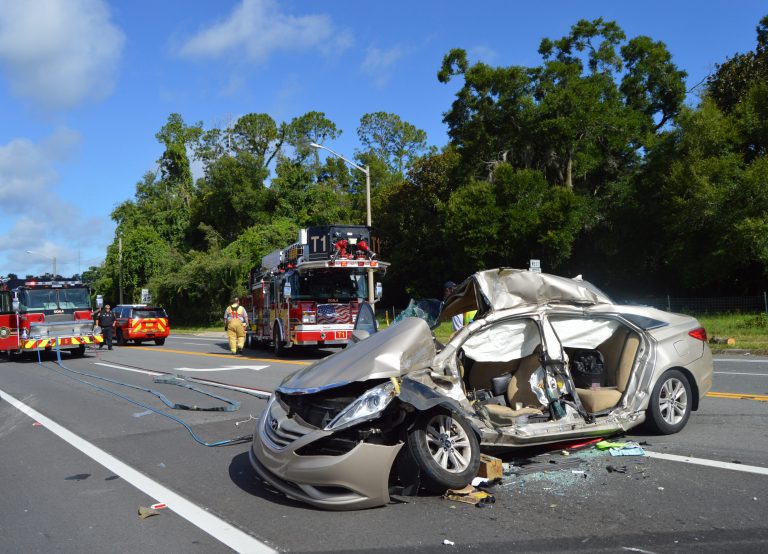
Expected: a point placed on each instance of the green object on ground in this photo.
(605, 445)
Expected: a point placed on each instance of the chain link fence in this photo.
(705, 305)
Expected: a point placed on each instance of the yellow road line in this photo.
(229, 356)
(739, 396)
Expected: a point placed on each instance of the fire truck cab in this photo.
(310, 293)
(46, 315)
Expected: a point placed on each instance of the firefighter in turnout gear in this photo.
(235, 322)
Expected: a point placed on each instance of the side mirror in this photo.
(99, 301)
(16, 304)
(378, 291)
(287, 290)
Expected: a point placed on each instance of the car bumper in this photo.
(354, 480)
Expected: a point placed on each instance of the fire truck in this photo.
(310, 293)
(46, 315)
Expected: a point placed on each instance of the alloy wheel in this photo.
(673, 401)
(448, 443)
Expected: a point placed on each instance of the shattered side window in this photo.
(503, 341)
(427, 309)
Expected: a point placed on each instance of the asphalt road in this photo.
(76, 469)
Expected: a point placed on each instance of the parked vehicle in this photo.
(140, 322)
(46, 315)
(309, 293)
(546, 359)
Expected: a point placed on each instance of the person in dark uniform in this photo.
(106, 320)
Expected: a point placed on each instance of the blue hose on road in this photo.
(232, 404)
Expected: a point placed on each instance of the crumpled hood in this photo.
(394, 351)
(501, 289)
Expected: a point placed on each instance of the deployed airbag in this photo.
(506, 341)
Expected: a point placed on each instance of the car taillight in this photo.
(700, 334)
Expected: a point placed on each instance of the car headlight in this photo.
(366, 407)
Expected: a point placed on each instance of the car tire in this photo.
(119, 337)
(160, 342)
(78, 352)
(137, 342)
(446, 450)
(279, 344)
(670, 403)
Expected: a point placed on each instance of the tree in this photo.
(734, 77)
(391, 139)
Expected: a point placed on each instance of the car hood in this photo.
(391, 352)
(504, 288)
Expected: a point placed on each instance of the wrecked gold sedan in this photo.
(546, 359)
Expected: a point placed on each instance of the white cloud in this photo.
(257, 28)
(59, 53)
(34, 215)
(483, 53)
(26, 168)
(378, 63)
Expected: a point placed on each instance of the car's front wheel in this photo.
(446, 449)
(670, 404)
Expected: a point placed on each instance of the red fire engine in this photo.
(45, 315)
(310, 293)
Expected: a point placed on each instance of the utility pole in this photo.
(54, 268)
(120, 266)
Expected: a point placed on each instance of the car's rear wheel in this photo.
(79, 352)
(670, 404)
(446, 449)
(160, 342)
(137, 342)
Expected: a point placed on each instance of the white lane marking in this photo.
(226, 368)
(738, 360)
(710, 463)
(253, 392)
(196, 515)
(146, 372)
(737, 373)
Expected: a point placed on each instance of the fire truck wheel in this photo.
(138, 342)
(79, 351)
(279, 344)
(160, 342)
(120, 339)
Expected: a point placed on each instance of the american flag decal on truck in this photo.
(333, 313)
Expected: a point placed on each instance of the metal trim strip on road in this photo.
(198, 516)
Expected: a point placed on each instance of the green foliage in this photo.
(588, 160)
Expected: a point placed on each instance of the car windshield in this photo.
(150, 312)
(55, 299)
(338, 284)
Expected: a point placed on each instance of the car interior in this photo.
(497, 364)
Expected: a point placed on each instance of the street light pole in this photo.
(367, 170)
(53, 263)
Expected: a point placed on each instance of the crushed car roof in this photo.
(504, 288)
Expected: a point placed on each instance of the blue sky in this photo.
(86, 84)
